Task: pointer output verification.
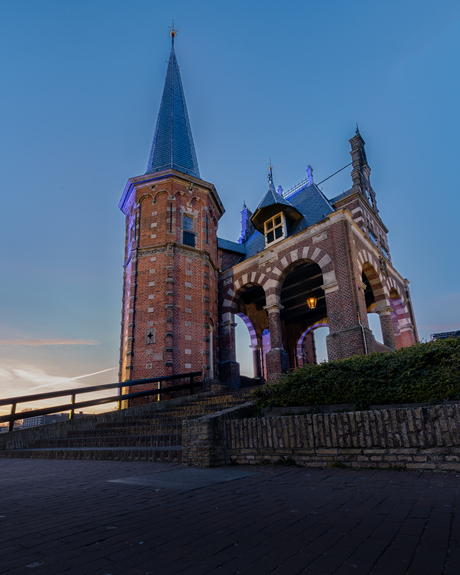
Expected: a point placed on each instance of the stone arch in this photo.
(376, 282)
(197, 199)
(158, 194)
(295, 258)
(250, 326)
(232, 293)
(301, 341)
(144, 196)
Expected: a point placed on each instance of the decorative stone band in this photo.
(330, 287)
(274, 308)
(383, 307)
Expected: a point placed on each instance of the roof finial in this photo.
(270, 171)
(173, 32)
(357, 130)
(309, 175)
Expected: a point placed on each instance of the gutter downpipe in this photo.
(364, 335)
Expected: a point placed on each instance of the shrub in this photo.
(424, 372)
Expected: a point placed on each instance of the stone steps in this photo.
(153, 455)
(154, 435)
(163, 440)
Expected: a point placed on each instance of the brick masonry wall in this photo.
(170, 288)
(410, 438)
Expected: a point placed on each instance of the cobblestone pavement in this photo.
(72, 517)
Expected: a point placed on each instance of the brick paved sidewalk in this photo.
(72, 517)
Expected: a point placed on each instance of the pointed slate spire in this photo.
(172, 146)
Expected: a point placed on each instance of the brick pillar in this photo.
(346, 337)
(408, 335)
(229, 368)
(256, 350)
(277, 359)
(383, 309)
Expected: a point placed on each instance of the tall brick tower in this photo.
(169, 313)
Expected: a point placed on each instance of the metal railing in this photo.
(73, 405)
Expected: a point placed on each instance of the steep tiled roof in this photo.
(172, 146)
(312, 204)
(271, 198)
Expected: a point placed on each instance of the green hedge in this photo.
(425, 372)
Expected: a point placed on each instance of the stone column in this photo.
(383, 309)
(229, 368)
(277, 359)
(256, 351)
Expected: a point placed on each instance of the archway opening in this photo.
(373, 319)
(320, 343)
(250, 312)
(243, 347)
(302, 282)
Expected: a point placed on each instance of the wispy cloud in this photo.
(26, 375)
(22, 380)
(39, 342)
(442, 326)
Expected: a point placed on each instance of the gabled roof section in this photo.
(173, 146)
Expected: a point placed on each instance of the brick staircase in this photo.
(154, 436)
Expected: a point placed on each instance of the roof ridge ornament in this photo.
(173, 32)
(270, 172)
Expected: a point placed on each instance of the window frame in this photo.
(274, 227)
(185, 231)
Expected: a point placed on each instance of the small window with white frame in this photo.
(274, 229)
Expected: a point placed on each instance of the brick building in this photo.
(302, 261)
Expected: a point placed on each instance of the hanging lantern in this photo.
(312, 301)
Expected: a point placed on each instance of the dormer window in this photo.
(274, 229)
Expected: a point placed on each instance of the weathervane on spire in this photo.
(173, 32)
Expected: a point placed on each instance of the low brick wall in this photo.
(203, 443)
(409, 438)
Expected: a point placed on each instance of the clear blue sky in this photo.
(81, 86)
